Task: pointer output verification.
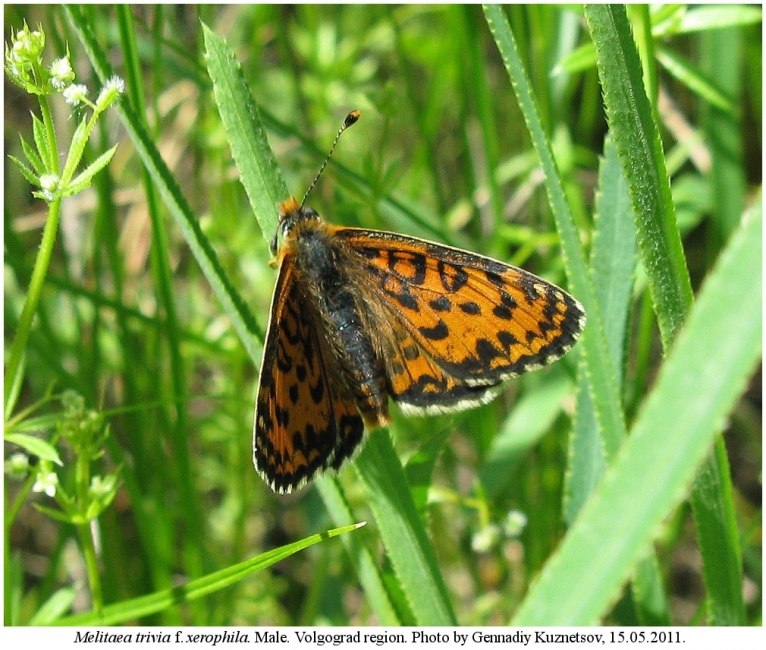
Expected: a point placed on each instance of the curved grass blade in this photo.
(157, 602)
(639, 148)
(401, 528)
(258, 170)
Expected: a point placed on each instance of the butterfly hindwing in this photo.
(304, 421)
(417, 381)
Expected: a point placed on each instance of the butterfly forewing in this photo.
(462, 323)
(304, 421)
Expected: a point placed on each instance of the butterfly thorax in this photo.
(321, 267)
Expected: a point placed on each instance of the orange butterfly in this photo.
(359, 316)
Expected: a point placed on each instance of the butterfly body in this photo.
(323, 269)
(360, 316)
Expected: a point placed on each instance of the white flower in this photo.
(17, 465)
(514, 523)
(75, 94)
(111, 90)
(100, 486)
(118, 83)
(61, 67)
(486, 538)
(61, 73)
(46, 482)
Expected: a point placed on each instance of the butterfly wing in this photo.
(416, 379)
(304, 420)
(462, 323)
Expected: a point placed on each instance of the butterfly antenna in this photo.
(351, 118)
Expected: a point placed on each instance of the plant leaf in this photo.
(37, 446)
(84, 179)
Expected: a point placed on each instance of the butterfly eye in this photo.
(274, 241)
(286, 222)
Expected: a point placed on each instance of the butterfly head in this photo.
(290, 213)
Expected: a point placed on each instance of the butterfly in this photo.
(362, 316)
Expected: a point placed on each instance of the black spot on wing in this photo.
(438, 332)
(404, 298)
(506, 307)
(453, 278)
(506, 339)
(470, 308)
(442, 303)
(487, 352)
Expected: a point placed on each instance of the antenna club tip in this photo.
(351, 118)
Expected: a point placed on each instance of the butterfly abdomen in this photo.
(324, 277)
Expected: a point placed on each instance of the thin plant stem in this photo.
(41, 266)
(33, 297)
(91, 564)
(82, 481)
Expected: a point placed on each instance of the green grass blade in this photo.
(697, 387)
(603, 384)
(401, 528)
(138, 607)
(649, 593)
(53, 608)
(721, 53)
(637, 139)
(718, 536)
(694, 79)
(638, 15)
(611, 269)
(250, 148)
(359, 554)
(420, 467)
(706, 18)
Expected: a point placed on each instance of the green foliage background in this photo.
(131, 319)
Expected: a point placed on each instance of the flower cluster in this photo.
(24, 66)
